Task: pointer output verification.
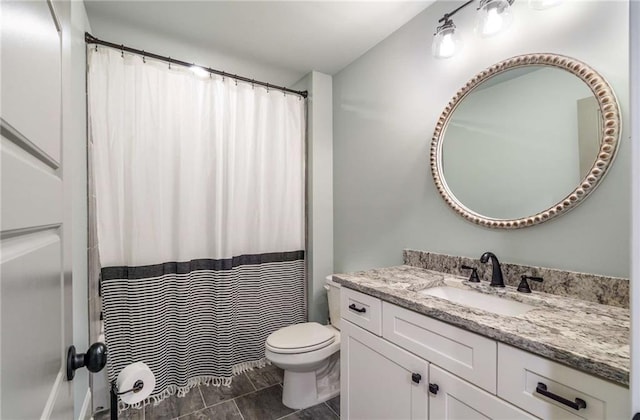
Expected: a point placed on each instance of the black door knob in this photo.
(416, 377)
(434, 388)
(94, 359)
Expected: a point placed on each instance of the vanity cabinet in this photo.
(456, 399)
(379, 380)
(399, 364)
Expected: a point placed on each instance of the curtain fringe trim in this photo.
(181, 391)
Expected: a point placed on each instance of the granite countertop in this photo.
(587, 336)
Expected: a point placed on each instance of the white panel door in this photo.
(34, 295)
(377, 378)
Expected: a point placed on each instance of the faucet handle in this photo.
(473, 278)
(524, 285)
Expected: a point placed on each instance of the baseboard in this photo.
(85, 411)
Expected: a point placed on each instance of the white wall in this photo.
(386, 105)
(319, 190)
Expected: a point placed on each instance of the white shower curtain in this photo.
(199, 186)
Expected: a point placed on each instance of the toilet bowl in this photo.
(309, 355)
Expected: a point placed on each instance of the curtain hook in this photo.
(169, 63)
(96, 47)
(267, 87)
(122, 50)
(252, 86)
(236, 80)
(144, 57)
(210, 73)
(223, 76)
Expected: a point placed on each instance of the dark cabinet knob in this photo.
(434, 388)
(416, 377)
(94, 359)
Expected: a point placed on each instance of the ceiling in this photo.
(297, 35)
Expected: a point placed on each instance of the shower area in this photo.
(196, 217)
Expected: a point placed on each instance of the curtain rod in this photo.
(90, 39)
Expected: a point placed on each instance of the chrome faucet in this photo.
(496, 275)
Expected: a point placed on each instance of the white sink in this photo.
(479, 300)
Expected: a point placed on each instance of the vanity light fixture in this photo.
(494, 16)
(543, 4)
(446, 41)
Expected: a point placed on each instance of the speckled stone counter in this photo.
(587, 336)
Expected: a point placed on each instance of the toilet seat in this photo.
(300, 338)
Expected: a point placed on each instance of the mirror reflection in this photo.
(521, 141)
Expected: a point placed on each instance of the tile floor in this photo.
(254, 395)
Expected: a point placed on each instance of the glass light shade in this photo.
(494, 16)
(446, 41)
(543, 4)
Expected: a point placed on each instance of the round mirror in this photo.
(525, 140)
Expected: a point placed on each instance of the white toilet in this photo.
(309, 355)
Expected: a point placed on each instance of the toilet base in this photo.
(306, 389)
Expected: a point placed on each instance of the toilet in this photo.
(309, 354)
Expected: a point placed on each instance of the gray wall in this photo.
(319, 191)
(386, 105)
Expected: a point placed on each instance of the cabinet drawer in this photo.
(363, 310)
(462, 353)
(520, 374)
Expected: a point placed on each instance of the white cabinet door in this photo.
(456, 399)
(380, 380)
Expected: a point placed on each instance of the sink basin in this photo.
(479, 300)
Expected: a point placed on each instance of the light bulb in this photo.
(494, 16)
(446, 41)
(543, 4)
(199, 71)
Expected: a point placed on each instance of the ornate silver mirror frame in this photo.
(609, 111)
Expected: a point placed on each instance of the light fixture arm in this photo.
(447, 16)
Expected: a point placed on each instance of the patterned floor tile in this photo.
(266, 376)
(317, 412)
(174, 406)
(224, 411)
(334, 404)
(215, 394)
(265, 404)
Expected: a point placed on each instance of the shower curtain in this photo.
(199, 185)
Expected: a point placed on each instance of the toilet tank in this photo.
(333, 296)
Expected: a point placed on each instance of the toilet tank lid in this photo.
(299, 336)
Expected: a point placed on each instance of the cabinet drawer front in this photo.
(379, 380)
(363, 310)
(462, 353)
(520, 374)
(456, 399)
